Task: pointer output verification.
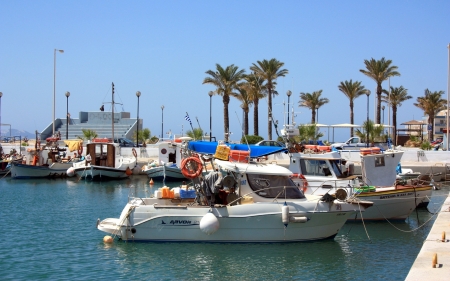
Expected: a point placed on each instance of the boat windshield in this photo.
(274, 186)
(336, 169)
(312, 167)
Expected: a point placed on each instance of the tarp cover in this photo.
(255, 150)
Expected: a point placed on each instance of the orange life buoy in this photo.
(304, 181)
(134, 152)
(80, 150)
(188, 167)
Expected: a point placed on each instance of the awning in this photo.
(345, 125)
(255, 150)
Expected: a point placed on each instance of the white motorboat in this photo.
(318, 172)
(105, 162)
(167, 167)
(262, 204)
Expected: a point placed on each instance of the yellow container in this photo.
(222, 152)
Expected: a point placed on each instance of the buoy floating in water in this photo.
(108, 239)
(151, 182)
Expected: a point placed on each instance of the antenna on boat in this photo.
(243, 133)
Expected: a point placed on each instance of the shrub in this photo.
(252, 139)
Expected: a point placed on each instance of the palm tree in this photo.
(352, 90)
(246, 102)
(395, 98)
(88, 134)
(431, 104)
(255, 91)
(269, 71)
(226, 81)
(379, 71)
(312, 101)
(196, 134)
(375, 133)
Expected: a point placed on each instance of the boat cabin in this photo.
(102, 154)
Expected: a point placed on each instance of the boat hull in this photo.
(258, 222)
(393, 204)
(101, 173)
(24, 171)
(167, 173)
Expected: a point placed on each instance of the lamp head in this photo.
(67, 94)
(368, 92)
(288, 93)
(162, 107)
(210, 93)
(138, 94)
(1, 94)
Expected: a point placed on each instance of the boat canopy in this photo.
(256, 151)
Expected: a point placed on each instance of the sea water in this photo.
(49, 233)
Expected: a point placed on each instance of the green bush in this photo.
(252, 139)
(426, 145)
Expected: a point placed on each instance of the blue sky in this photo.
(164, 48)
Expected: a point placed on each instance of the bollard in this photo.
(434, 261)
(443, 236)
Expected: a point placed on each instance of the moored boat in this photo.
(253, 202)
(103, 161)
(321, 174)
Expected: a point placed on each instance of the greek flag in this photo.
(188, 119)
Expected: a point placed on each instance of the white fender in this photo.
(70, 172)
(209, 223)
(285, 214)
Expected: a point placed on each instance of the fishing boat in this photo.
(103, 161)
(262, 204)
(318, 171)
(167, 167)
(46, 161)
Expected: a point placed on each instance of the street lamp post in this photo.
(67, 115)
(210, 94)
(289, 93)
(367, 122)
(54, 85)
(138, 94)
(162, 121)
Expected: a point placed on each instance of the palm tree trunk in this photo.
(246, 122)
(313, 116)
(430, 121)
(255, 117)
(394, 123)
(351, 118)
(378, 116)
(269, 128)
(226, 123)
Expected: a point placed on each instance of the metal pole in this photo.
(54, 85)
(138, 94)
(67, 116)
(210, 115)
(289, 93)
(367, 124)
(162, 121)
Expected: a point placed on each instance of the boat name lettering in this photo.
(180, 222)
(243, 182)
(396, 195)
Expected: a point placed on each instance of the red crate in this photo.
(241, 156)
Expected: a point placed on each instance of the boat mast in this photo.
(112, 112)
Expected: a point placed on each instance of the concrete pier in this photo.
(435, 249)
